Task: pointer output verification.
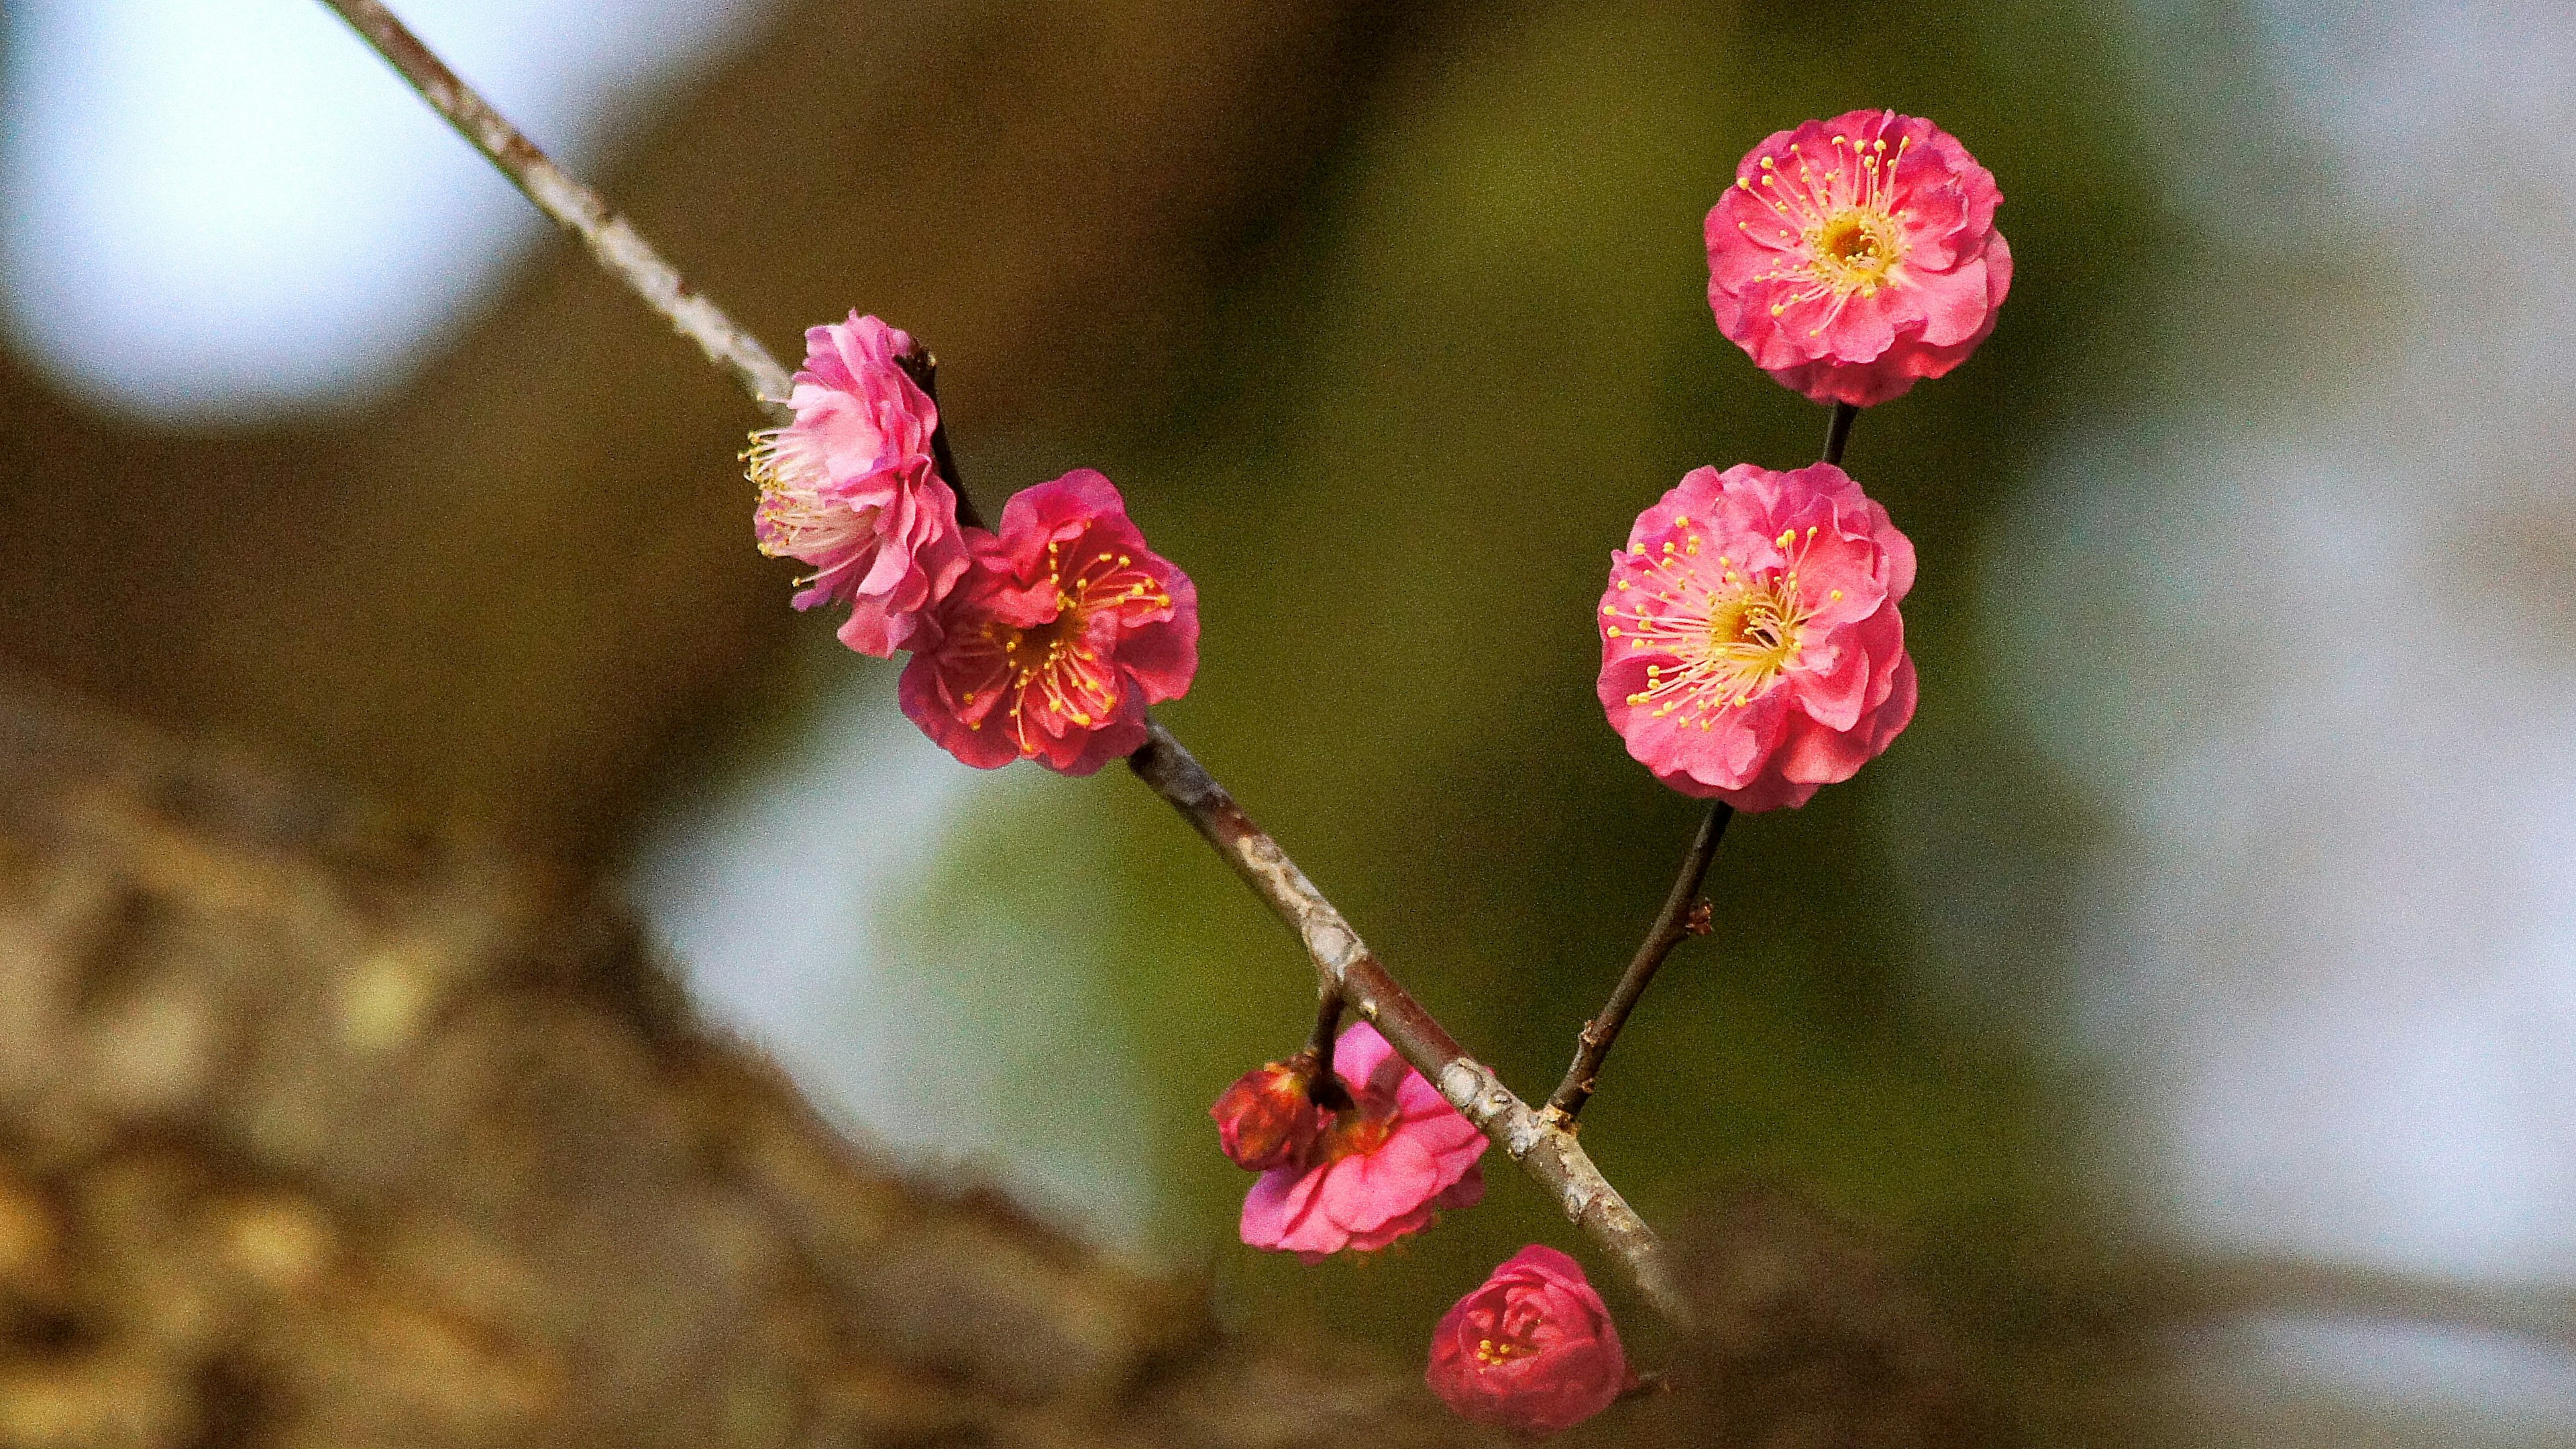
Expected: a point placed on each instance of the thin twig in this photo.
(1681, 918)
(1545, 1150)
(1548, 1153)
(576, 207)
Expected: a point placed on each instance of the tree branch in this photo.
(575, 207)
(1545, 1150)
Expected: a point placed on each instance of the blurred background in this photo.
(2220, 904)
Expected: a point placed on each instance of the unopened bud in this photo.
(1268, 1117)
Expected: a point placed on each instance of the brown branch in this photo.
(1545, 1150)
(575, 207)
(1682, 917)
(1346, 969)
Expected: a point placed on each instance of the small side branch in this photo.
(575, 207)
(1545, 1149)
(1838, 432)
(1681, 918)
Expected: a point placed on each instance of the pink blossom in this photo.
(1750, 644)
(1383, 1167)
(1268, 1118)
(1063, 629)
(1533, 1349)
(1857, 255)
(850, 488)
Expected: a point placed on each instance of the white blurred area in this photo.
(2324, 680)
(223, 208)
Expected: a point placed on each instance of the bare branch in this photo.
(1546, 1151)
(576, 207)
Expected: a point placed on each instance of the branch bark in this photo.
(1545, 1150)
(575, 207)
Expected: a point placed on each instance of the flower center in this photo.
(1495, 1352)
(1838, 222)
(1357, 1133)
(1727, 633)
(1855, 249)
(1053, 666)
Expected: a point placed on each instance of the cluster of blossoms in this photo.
(1356, 1177)
(1046, 639)
(1751, 651)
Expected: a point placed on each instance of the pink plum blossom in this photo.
(850, 487)
(1750, 645)
(1063, 629)
(1857, 255)
(1379, 1171)
(1533, 1349)
(1268, 1118)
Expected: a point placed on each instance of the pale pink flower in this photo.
(850, 489)
(1268, 1118)
(1533, 1349)
(1856, 255)
(1063, 629)
(1379, 1170)
(1750, 645)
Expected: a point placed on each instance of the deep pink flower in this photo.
(1268, 1118)
(1063, 629)
(1533, 1350)
(850, 488)
(1750, 644)
(1856, 255)
(1380, 1170)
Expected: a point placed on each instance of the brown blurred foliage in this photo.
(319, 1129)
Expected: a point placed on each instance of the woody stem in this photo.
(1672, 924)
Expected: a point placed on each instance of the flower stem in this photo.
(923, 368)
(1838, 432)
(1328, 1091)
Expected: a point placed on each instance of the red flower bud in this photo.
(1532, 1350)
(1268, 1117)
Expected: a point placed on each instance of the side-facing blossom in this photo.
(1064, 627)
(850, 488)
(1268, 1118)
(1854, 256)
(1750, 645)
(1533, 1349)
(1379, 1170)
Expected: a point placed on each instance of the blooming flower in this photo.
(850, 488)
(1063, 629)
(1268, 1118)
(1750, 644)
(1397, 1155)
(1856, 255)
(1533, 1349)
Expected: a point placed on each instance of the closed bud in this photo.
(1268, 1118)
